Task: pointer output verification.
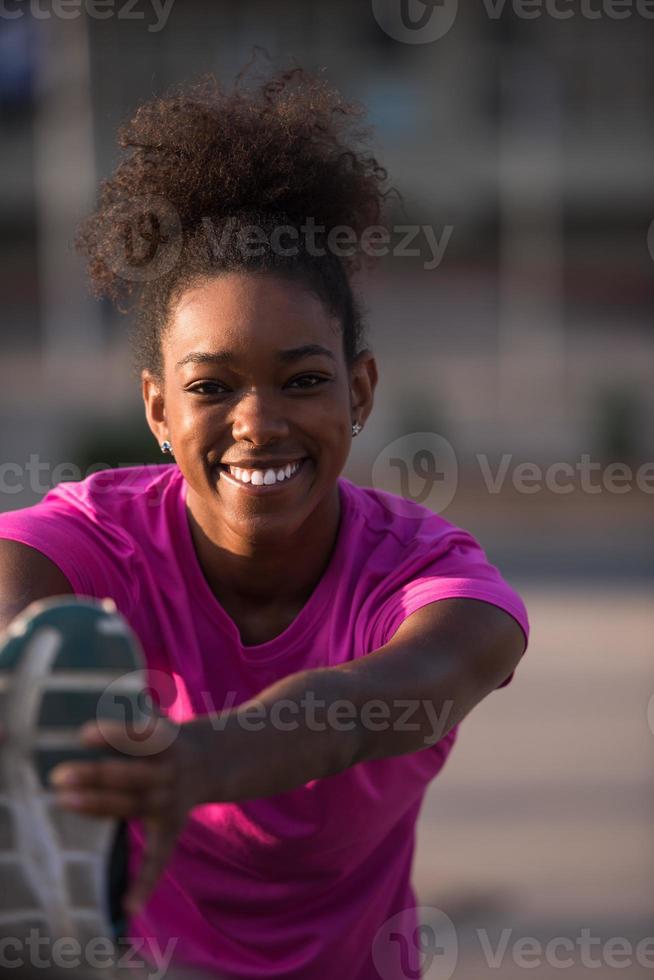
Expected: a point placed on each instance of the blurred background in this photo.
(525, 348)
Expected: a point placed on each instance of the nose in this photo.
(259, 419)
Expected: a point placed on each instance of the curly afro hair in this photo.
(206, 169)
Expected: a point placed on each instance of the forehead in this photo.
(247, 313)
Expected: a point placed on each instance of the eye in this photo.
(307, 381)
(208, 388)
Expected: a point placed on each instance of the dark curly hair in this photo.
(204, 168)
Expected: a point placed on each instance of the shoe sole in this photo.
(63, 662)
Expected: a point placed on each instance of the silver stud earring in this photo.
(356, 428)
(166, 447)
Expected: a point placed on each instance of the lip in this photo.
(262, 464)
(263, 489)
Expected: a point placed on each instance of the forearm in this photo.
(318, 723)
(294, 731)
(401, 698)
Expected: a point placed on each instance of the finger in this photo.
(111, 774)
(158, 847)
(156, 802)
(95, 804)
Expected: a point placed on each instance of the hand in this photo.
(155, 780)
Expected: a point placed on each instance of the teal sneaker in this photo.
(63, 661)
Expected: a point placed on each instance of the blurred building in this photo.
(531, 140)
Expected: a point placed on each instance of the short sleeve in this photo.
(97, 559)
(457, 568)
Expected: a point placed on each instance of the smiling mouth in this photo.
(262, 480)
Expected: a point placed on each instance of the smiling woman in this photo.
(318, 643)
(254, 382)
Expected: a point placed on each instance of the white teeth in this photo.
(264, 477)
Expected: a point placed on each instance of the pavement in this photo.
(540, 826)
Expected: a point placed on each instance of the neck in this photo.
(243, 571)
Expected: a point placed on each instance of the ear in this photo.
(363, 381)
(155, 409)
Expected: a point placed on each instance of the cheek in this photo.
(331, 426)
(334, 412)
(335, 439)
(190, 430)
(195, 422)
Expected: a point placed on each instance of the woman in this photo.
(321, 641)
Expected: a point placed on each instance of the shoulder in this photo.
(399, 523)
(93, 530)
(389, 513)
(117, 491)
(108, 505)
(410, 557)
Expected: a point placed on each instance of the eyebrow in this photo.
(225, 357)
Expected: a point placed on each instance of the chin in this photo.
(268, 528)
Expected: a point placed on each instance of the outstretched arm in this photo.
(313, 724)
(405, 696)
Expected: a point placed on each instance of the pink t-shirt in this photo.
(296, 885)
